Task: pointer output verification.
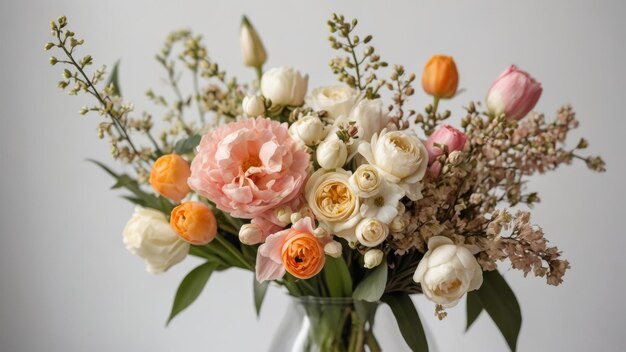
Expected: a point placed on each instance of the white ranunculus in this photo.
(367, 181)
(384, 205)
(253, 105)
(284, 86)
(371, 232)
(447, 272)
(335, 100)
(332, 154)
(308, 129)
(148, 235)
(334, 203)
(373, 258)
(400, 156)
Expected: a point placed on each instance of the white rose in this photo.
(447, 272)
(373, 258)
(369, 116)
(371, 232)
(284, 86)
(309, 129)
(332, 154)
(401, 157)
(149, 236)
(366, 180)
(335, 100)
(253, 105)
(333, 249)
(334, 202)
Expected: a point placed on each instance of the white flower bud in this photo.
(371, 232)
(253, 105)
(399, 223)
(284, 215)
(320, 232)
(252, 48)
(332, 154)
(309, 129)
(284, 86)
(250, 234)
(455, 157)
(295, 217)
(333, 249)
(373, 258)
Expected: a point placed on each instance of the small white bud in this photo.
(284, 215)
(373, 258)
(252, 49)
(253, 105)
(250, 234)
(333, 249)
(295, 217)
(309, 129)
(320, 232)
(332, 154)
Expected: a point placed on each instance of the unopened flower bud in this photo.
(514, 93)
(333, 249)
(252, 49)
(309, 129)
(373, 258)
(253, 105)
(440, 77)
(284, 215)
(332, 154)
(320, 232)
(250, 234)
(295, 217)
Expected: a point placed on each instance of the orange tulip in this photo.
(194, 222)
(169, 177)
(303, 255)
(440, 78)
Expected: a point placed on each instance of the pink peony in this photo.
(514, 93)
(250, 167)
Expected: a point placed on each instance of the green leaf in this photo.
(499, 301)
(474, 308)
(337, 277)
(187, 145)
(260, 289)
(190, 287)
(373, 286)
(408, 320)
(114, 79)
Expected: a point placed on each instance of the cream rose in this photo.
(400, 156)
(366, 180)
(369, 116)
(308, 129)
(371, 232)
(447, 272)
(331, 154)
(335, 100)
(334, 202)
(284, 86)
(149, 236)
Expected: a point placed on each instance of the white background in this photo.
(68, 284)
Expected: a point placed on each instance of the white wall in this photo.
(68, 284)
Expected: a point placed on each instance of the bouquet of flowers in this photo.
(335, 193)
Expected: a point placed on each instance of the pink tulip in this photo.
(444, 135)
(514, 93)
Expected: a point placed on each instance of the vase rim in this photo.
(324, 300)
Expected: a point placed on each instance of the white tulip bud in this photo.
(333, 249)
(250, 234)
(332, 154)
(371, 232)
(252, 48)
(309, 129)
(253, 105)
(373, 258)
(284, 215)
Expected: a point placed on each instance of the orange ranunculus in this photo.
(440, 77)
(194, 222)
(303, 255)
(169, 177)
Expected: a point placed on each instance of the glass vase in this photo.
(326, 324)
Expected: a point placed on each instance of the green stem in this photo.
(197, 92)
(229, 247)
(356, 62)
(435, 105)
(372, 342)
(259, 74)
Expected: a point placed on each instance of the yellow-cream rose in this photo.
(366, 180)
(334, 202)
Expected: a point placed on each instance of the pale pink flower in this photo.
(444, 135)
(514, 93)
(249, 167)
